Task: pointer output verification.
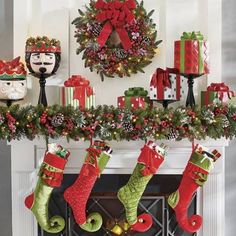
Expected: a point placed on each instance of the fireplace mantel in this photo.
(26, 157)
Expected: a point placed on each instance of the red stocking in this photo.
(77, 195)
(195, 175)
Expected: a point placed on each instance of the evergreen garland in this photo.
(110, 123)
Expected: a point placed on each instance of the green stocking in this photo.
(50, 176)
(149, 161)
(132, 192)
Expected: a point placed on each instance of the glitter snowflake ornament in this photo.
(80, 121)
(104, 133)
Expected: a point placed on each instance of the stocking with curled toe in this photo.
(78, 194)
(50, 176)
(194, 176)
(150, 159)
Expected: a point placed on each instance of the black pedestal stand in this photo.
(165, 103)
(42, 95)
(190, 98)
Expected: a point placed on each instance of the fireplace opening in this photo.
(103, 200)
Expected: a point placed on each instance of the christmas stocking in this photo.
(194, 176)
(150, 159)
(50, 176)
(77, 195)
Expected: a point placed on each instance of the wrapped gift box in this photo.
(166, 85)
(78, 93)
(134, 98)
(192, 54)
(216, 93)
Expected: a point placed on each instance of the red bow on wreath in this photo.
(116, 14)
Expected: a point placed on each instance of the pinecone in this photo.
(127, 115)
(96, 30)
(146, 41)
(2, 119)
(225, 122)
(121, 53)
(174, 134)
(128, 127)
(57, 120)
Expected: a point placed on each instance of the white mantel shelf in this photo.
(27, 155)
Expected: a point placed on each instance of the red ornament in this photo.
(164, 124)
(43, 118)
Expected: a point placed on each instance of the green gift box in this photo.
(134, 98)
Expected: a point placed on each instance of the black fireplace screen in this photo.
(104, 200)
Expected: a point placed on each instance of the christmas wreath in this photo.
(117, 37)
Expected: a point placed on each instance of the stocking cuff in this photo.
(192, 169)
(55, 161)
(51, 170)
(203, 158)
(151, 157)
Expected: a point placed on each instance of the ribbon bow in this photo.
(136, 92)
(220, 88)
(116, 14)
(192, 36)
(162, 77)
(91, 159)
(51, 178)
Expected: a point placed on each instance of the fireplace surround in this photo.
(26, 156)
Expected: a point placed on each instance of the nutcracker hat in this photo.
(12, 70)
(43, 45)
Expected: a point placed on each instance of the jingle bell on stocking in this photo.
(150, 159)
(77, 195)
(194, 176)
(50, 176)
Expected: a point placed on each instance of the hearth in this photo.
(103, 200)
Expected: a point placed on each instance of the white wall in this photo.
(53, 18)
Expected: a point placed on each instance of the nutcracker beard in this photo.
(12, 89)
